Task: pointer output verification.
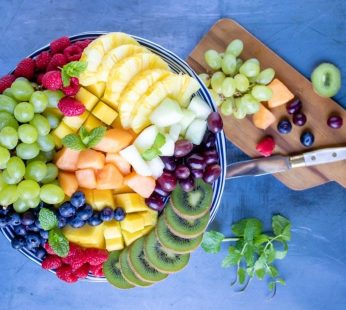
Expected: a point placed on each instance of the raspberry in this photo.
(75, 261)
(95, 256)
(266, 146)
(71, 107)
(65, 273)
(48, 249)
(59, 45)
(26, 68)
(83, 271)
(97, 270)
(42, 60)
(73, 88)
(57, 61)
(6, 82)
(52, 80)
(83, 43)
(39, 78)
(51, 262)
(74, 250)
(73, 52)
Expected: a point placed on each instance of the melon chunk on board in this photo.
(263, 118)
(281, 94)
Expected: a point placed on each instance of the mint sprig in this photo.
(154, 151)
(85, 139)
(253, 251)
(48, 219)
(72, 69)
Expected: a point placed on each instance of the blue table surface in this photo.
(302, 32)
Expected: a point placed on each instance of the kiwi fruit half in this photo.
(326, 80)
(194, 204)
(182, 227)
(127, 272)
(140, 266)
(162, 259)
(172, 242)
(112, 271)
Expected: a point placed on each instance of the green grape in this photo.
(239, 64)
(235, 47)
(265, 76)
(36, 171)
(39, 157)
(24, 112)
(27, 133)
(41, 124)
(46, 143)
(55, 182)
(27, 150)
(39, 101)
(216, 97)
(227, 106)
(213, 59)
(261, 92)
(254, 60)
(9, 93)
(241, 82)
(2, 182)
(249, 68)
(228, 87)
(28, 189)
(53, 118)
(205, 78)
(8, 195)
(22, 89)
(7, 119)
(249, 104)
(21, 206)
(8, 137)
(51, 175)
(239, 112)
(9, 179)
(48, 155)
(4, 156)
(7, 104)
(216, 81)
(54, 97)
(15, 167)
(52, 194)
(229, 64)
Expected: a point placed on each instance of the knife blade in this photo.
(279, 163)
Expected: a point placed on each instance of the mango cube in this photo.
(103, 198)
(62, 130)
(87, 98)
(89, 195)
(132, 223)
(131, 237)
(92, 122)
(130, 202)
(114, 244)
(86, 236)
(75, 122)
(112, 230)
(57, 141)
(104, 113)
(124, 189)
(149, 217)
(97, 89)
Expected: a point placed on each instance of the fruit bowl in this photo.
(177, 65)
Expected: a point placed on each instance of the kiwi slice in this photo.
(162, 259)
(112, 271)
(127, 272)
(184, 228)
(172, 242)
(326, 80)
(194, 204)
(140, 266)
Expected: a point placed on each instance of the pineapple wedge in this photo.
(125, 70)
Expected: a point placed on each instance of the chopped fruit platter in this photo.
(111, 159)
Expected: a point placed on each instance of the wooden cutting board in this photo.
(317, 109)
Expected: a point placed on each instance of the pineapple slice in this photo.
(125, 70)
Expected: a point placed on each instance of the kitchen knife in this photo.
(278, 163)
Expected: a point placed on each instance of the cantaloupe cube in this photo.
(92, 122)
(114, 244)
(86, 178)
(149, 217)
(63, 130)
(68, 182)
(97, 89)
(117, 123)
(119, 162)
(131, 237)
(281, 94)
(142, 185)
(263, 118)
(103, 198)
(104, 113)
(90, 159)
(112, 230)
(89, 195)
(75, 122)
(130, 202)
(66, 159)
(124, 189)
(132, 222)
(87, 98)
(86, 236)
(114, 140)
(109, 177)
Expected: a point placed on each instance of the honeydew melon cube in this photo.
(195, 132)
(133, 222)
(135, 159)
(156, 166)
(175, 131)
(167, 113)
(199, 107)
(146, 138)
(187, 119)
(168, 148)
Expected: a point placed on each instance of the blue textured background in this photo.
(302, 32)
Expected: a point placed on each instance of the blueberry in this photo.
(284, 126)
(107, 214)
(119, 214)
(14, 219)
(77, 222)
(28, 218)
(20, 230)
(3, 221)
(61, 221)
(38, 224)
(33, 228)
(95, 220)
(32, 241)
(67, 209)
(18, 243)
(44, 234)
(5, 211)
(40, 253)
(307, 138)
(85, 212)
(78, 199)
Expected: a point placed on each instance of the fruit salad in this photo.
(107, 160)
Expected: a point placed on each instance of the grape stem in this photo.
(229, 239)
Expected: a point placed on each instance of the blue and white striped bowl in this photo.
(179, 66)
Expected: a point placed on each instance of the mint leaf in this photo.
(273, 272)
(281, 281)
(72, 69)
(241, 275)
(212, 241)
(282, 254)
(281, 226)
(160, 140)
(249, 254)
(232, 259)
(261, 239)
(58, 242)
(96, 135)
(269, 253)
(271, 285)
(260, 273)
(247, 228)
(65, 78)
(48, 219)
(150, 154)
(73, 142)
(84, 135)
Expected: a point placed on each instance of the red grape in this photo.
(211, 173)
(182, 148)
(197, 174)
(187, 185)
(158, 189)
(299, 119)
(294, 106)
(215, 123)
(335, 121)
(182, 172)
(169, 162)
(167, 181)
(209, 140)
(196, 161)
(211, 157)
(155, 202)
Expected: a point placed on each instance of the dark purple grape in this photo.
(182, 172)
(211, 157)
(335, 121)
(182, 148)
(299, 119)
(209, 140)
(196, 161)
(211, 173)
(197, 174)
(187, 185)
(294, 106)
(167, 181)
(155, 202)
(158, 189)
(169, 162)
(215, 123)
